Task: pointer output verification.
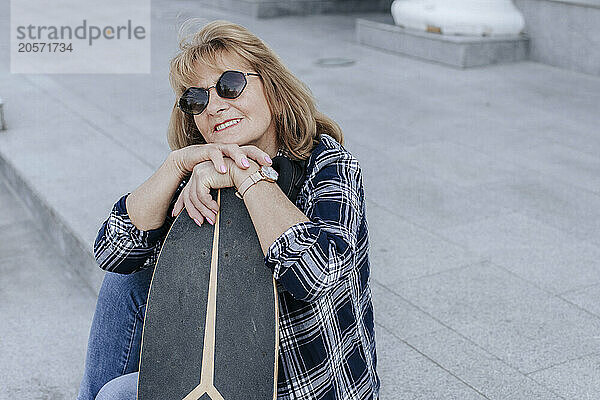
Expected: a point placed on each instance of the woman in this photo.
(316, 247)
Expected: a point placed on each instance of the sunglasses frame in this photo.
(207, 90)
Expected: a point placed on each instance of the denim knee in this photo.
(115, 336)
(126, 290)
(122, 388)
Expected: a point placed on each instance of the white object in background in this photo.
(459, 17)
(2, 122)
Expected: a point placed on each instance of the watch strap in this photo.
(249, 181)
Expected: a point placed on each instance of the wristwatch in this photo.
(265, 173)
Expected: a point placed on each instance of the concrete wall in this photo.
(564, 33)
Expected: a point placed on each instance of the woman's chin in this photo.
(230, 140)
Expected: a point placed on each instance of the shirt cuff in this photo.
(148, 238)
(290, 246)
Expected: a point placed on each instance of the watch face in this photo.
(269, 172)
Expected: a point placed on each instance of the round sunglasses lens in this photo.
(231, 84)
(193, 101)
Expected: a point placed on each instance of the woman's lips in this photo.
(233, 119)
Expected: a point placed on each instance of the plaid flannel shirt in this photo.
(326, 330)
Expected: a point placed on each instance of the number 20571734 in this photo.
(41, 47)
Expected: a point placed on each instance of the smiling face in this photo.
(252, 119)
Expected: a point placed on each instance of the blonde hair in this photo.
(298, 123)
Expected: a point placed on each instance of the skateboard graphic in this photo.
(211, 324)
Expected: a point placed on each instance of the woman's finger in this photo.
(197, 196)
(216, 156)
(209, 202)
(256, 154)
(187, 157)
(178, 206)
(191, 209)
(234, 152)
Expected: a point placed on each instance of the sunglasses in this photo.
(230, 85)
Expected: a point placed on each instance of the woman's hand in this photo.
(195, 196)
(186, 158)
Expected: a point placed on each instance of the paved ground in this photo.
(483, 191)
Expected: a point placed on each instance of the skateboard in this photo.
(211, 324)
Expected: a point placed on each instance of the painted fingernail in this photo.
(245, 162)
(268, 159)
(209, 221)
(223, 169)
(197, 222)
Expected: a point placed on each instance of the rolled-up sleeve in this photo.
(312, 257)
(123, 248)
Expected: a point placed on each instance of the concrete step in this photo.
(563, 33)
(456, 51)
(46, 311)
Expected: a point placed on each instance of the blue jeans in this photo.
(115, 337)
(122, 388)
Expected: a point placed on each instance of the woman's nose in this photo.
(215, 102)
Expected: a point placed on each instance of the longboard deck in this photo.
(211, 324)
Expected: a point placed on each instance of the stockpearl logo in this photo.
(80, 36)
